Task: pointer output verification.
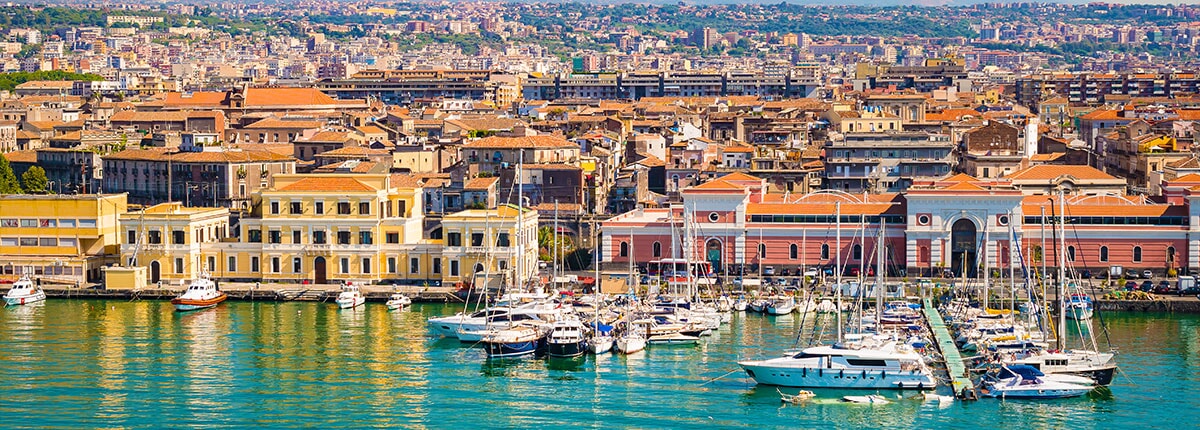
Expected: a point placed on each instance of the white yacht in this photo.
(24, 292)
(1026, 382)
(890, 365)
(398, 301)
(1097, 366)
(202, 293)
(350, 297)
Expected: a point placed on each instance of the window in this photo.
(364, 208)
(66, 223)
(1104, 253)
(343, 238)
(155, 237)
(177, 237)
(345, 265)
(29, 241)
(46, 223)
(275, 236)
(131, 237)
(857, 252)
(1137, 254)
(318, 237)
(296, 208)
(414, 265)
(793, 251)
(296, 236)
(274, 208)
(393, 238)
(8, 241)
(254, 264)
(320, 208)
(178, 265)
(87, 223)
(391, 264)
(255, 236)
(364, 237)
(231, 264)
(437, 266)
(297, 266)
(29, 223)
(453, 267)
(824, 251)
(48, 241)
(1070, 253)
(212, 264)
(657, 247)
(1170, 253)
(502, 239)
(366, 265)
(9, 222)
(624, 249)
(476, 239)
(343, 208)
(454, 239)
(762, 250)
(67, 242)
(275, 265)
(714, 217)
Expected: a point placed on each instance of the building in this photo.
(60, 238)
(168, 238)
(470, 252)
(886, 162)
(208, 176)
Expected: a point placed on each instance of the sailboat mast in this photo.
(879, 268)
(987, 262)
(1062, 269)
(838, 267)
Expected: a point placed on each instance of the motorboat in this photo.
(24, 292)
(567, 339)
(740, 305)
(448, 326)
(826, 306)
(1097, 366)
(202, 293)
(672, 339)
(782, 306)
(890, 365)
(516, 341)
(350, 297)
(1026, 382)
(1079, 307)
(398, 301)
(758, 306)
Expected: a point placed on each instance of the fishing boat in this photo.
(889, 366)
(350, 297)
(516, 341)
(1079, 307)
(1026, 382)
(567, 339)
(24, 292)
(202, 293)
(398, 301)
(631, 342)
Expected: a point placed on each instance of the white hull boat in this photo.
(350, 297)
(890, 366)
(398, 301)
(24, 292)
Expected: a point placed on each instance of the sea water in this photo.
(118, 364)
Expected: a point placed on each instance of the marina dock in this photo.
(960, 380)
(264, 292)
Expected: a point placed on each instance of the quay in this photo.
(960, 380)
(279, 292)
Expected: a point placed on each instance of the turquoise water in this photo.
(116, 364)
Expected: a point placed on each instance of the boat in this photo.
(782, 306)
(631, 342)
(601, 340)
(1026, 382)
(24, 292)
(826, 306)
(398, 301)
(672, 339)
(888, 366)
(795, 399)
(566, 339)
(1079, 307)
(202, 293)
(871, 399)
(350, 297)
(1097, 366)
(514, 341)
(740, 305)
(758, 306)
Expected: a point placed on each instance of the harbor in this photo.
(308, 363)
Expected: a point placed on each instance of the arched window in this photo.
(624, 249)
(857, 252)
(824, 251)
(1070, 253)
(762, 250)
(923, 254)
(1137, 254)
(1103, 253)
(657, 249)
(1170, 254)
(793, 252)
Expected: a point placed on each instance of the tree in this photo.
(8, 179)
(35, 180)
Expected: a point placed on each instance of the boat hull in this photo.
(567, 349)
(351, 303)
(804, 377)
(25, 300)
(185, 305)
(510, 349)
(630, 345)
(601, 344)
(1036, 393)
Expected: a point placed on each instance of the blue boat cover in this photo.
(1026, 371)
(603, 329)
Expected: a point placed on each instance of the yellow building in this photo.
(61, 238)
(500, 245)
(168, 240)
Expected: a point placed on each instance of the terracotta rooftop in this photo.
(527, 142)
(1049, 172)
(327, 185)
(479, 184)
(285, 123)
(287, 97)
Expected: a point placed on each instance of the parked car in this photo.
(768, 270)
(1131, 275)
(1086, 274)
(1189, 291)
(811, 271)
(1130, 285)
(1147, 286)
(1165, 287)
(1148, 274)
(785, 272)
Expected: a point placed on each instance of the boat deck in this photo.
(959, 378)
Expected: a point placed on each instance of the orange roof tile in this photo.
(528, 142)
(325, 185)
(961, 177)
(480, 183)
(287, 97)
(1047, 172)
(716, 184)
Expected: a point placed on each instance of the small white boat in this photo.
(350, 297)
(801, 397)
(1079, 307)
(672, 339)
(782, 306)
(601, 344)
(741, 305)
(202, 293)
(631, 342)
(24, 292)
(398, 301)
(826, 307)
(1027, 382)
(872, 399)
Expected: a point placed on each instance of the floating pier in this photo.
(960, 380)
(264, 292)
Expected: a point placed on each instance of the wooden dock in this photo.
(960, 379)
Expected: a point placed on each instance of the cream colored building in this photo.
(62, 238)
(499, 244)
(168, 239)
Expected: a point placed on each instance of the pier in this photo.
(960, 380)
(263, 292)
